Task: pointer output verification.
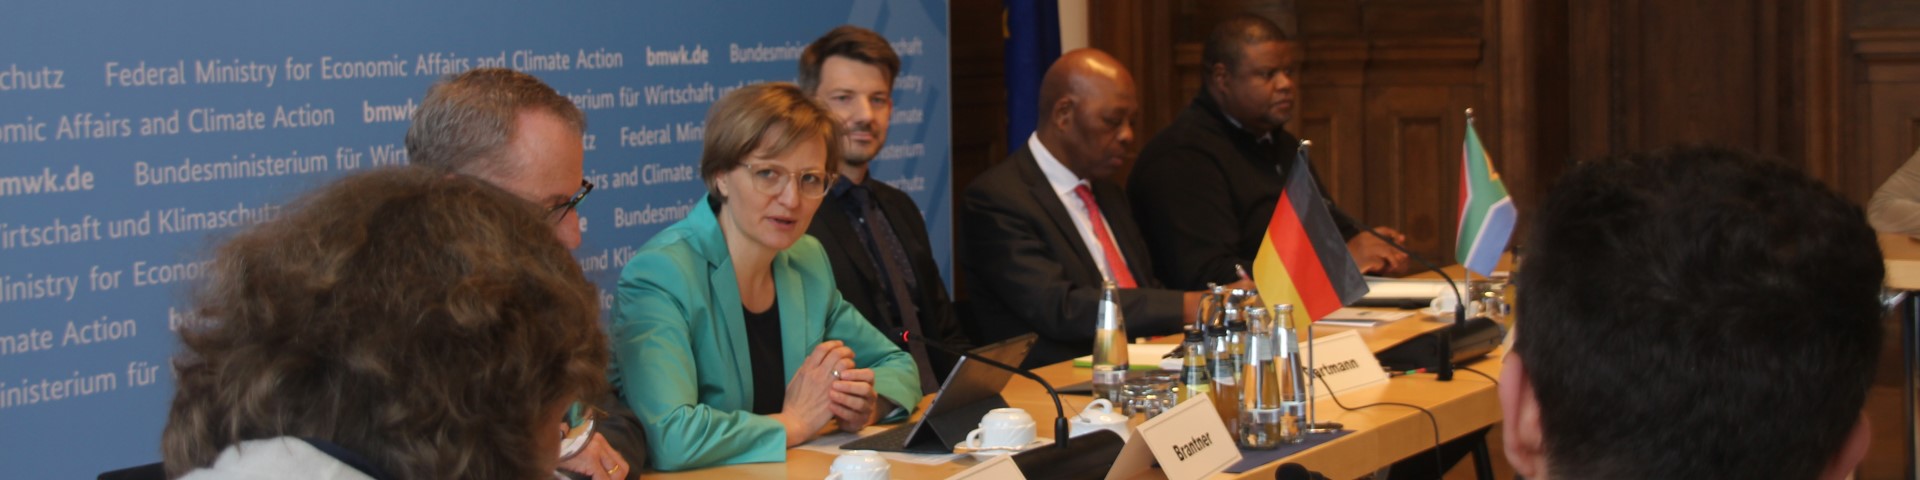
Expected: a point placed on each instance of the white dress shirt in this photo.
(1064, 182)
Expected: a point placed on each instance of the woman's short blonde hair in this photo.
(428, 321)
(738, 125)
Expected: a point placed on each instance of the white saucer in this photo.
(984, 455)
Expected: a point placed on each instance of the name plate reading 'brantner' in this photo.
(1189, 441)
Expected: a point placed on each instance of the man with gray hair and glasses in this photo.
(512, 130)
(509, 129)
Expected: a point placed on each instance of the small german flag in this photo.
(1304, 261)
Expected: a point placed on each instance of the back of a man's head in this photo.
(466, 121)
(1695, 313)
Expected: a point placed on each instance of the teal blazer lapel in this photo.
(725, 285)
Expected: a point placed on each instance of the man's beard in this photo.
(855, 158)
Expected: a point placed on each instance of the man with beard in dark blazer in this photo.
(874, 233)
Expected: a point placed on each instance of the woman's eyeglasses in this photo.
(773, 180)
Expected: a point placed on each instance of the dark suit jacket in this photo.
(1204, 191)
(1028, 270)
(855, 271)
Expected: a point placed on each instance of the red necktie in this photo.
(1117, 264)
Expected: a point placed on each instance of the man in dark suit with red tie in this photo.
(874, 233)
(1042, 231)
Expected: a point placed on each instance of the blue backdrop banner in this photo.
(134, 136)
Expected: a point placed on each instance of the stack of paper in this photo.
(1364, 317)
(1396, 288)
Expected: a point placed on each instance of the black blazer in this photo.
(1028, 270)
(856, 274)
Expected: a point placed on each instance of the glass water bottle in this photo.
(1269, 413)
(1110, 348)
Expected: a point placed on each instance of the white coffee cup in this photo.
(1002, 428)
(1098, 416)
(859, 465)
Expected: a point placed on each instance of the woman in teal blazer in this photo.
(698, 303)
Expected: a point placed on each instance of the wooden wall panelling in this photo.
(1404, 126)
(1779, 89)
(1201, 15)
(979, 102)
(1422, 18)
(1328, 19)
(979, 89)
(1138, 32)
(1416, 94)
(1884, 14)
(1512, 96)
(1624, 111)
(1648, 74)
(1329, 113)
(1186, 72)
(1590, 85)
(1893, 126)
(1891, 92)
(1527, 123)
(1823, 62)
(1549, 126)
(1412, 156)
(1697, 78)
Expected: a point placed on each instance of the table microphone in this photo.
(1093, 453)
(1445, 371)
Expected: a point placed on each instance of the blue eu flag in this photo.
(1033, 42)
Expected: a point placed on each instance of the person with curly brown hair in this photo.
(399, 323)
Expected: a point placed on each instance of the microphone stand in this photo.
(1060, 412)
(1093, 455)
(1445, 371)
(1445, 374)
(1314, 425)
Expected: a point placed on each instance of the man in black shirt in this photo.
(1205, 188)
(874, 233)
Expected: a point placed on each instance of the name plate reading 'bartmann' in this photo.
(1344, 362)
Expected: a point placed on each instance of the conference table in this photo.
(1380, 435)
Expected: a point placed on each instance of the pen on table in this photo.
(1396, 373)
